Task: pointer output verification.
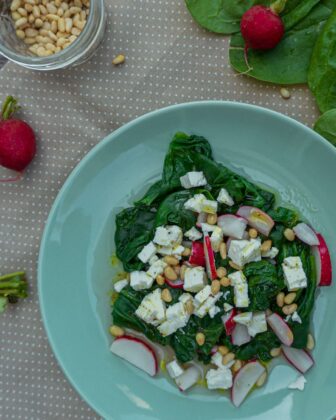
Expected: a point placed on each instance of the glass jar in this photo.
(79, 51)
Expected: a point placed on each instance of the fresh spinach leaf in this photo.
(326, 126)
(260, 347)
(300, 11)
(134, 229)
(287, 217)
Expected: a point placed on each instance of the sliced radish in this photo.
(188, 378)
(240, 335)
(244, 380)
(209, 258)
(306, 234)
(197, 256)
(228, 243)
(177, 284)
(136, 352)
(214, 350)
(232, 225)
(299, 358)
(257, 219)
(281, 329)
(201, 218)
(228, 321)
(323, 262)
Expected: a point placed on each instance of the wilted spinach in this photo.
(326, 126)
(287, 217)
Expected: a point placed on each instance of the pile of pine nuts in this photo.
(48, 27)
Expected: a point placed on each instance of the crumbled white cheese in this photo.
(156, 268)
(166, 250)
(227, 307)
(243, 318)
(153, 260)
(226, 294)
(177, 317)
(185, 297)
(272, 253)
(194, 279)
(174, 369)
(217, 359)
(216, 238)
(119, 285)
(195, 203)
(242, 251)
(296, 318)
(209, 206)
(258, 324)
(219, 378)
(193, 179)
(141, 280)
(295, 277)
(147, 252)
(168, 236)
(193, 234)
(202, 295)
(210, 302)
(152, 308)
(213, 311)
(299, 383)
(225, 198)
(207, 228)
(240, 288)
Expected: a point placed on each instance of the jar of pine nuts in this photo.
(51, 34)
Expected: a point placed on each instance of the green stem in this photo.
(9, 107)
(19, 274)
(278, 6)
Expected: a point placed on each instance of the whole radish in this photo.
(17, 140)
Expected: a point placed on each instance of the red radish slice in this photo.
(299, 358)
(177, 284)
(197, 256)
(188, 378)
(229, 322)
(136, 352)
(201, 218)
(232, 225)
(306, 234)
(257, 219)
(240, 335)
(244, 380)
(209, 258)
(323, 262)
(281, 329)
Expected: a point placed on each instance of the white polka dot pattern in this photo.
(169, 59)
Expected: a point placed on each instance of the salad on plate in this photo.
(218, 279)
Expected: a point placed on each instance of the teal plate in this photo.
(75, 271)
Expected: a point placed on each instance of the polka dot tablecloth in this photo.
(169, 60)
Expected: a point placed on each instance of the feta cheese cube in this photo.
(185, 297)
(174, 369)
(193, 179)
(147, 252)
(177, 317)
(216, 238)
(219, 378)
(202, 295)
(176, 311)
(152, 308)
(217, 359)
(240, 288)
(209, 206)
(140, 280)
(296, 318)
(165, 250)
(213, 311)
(153, 259)
(193, 234)
(168, 236)
(242, 251)
(170, 326)
(156, 268)
(271, 253)
(244, 318)
(295, 277)
(194, 279)
(207, 228)
(258, 324)
(119, 285)
(299, 383)
(195, 203)
(227, 307)
(225, 198)
(210, 302)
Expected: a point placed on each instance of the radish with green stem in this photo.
(17, 141)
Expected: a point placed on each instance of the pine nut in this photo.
(68, 25)
(66, 14)
(235, 266)
(225, 282)
(43, 32)
(290, 298)
(215, 287)
(54, 27)
(159, 279)
(15, 5)
(171, 260)
(31, 19)
(52, 17)
(289, 309)
(182, 271)
(222, 250)
(78, 3)
(23, 12)
(200, 339)
(65, 6)
(237, 366)
(50, 47)
(51, 9)
(60, 12)
(275, 352)
(58, 49)
(61, 25)
(228, 358)
(285, 93)
(289, 234)
(20, 34)
(73, 10)
(20, 22)
(32, 2)
(310, 342)
(58, 3)
(29, 8)
(119, 59)
(116, 331)
(266, 246)
(80, 24)
(212, 219)
(75, 31)
(223, 350)
(260, 382)
(189, 306)
(253, 233)
(52, 36)
(16, 16)
(38, 23)
(30, 41)
(46, 25)
(61, 41)
(186, 252)
(36, 11)
(221, 272)
(41, 52)
(280, 299)
(84, 15)
(170, 273)
(33, 48)
(166, 295)
(30, 32)
(43, 10)
(176, 268)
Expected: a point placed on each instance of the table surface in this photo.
(169, 59)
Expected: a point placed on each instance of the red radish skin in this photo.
(281, 329)
(228, 321)
(323, 262)
(122, 345)
(257, 219)
(306, 234)
(209, 258)
(178, 284)
(261, 28)
(298, 358)
(232, 225)
(17, 141)
(197, 256)
(240, 335)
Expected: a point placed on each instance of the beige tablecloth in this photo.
(169, 60)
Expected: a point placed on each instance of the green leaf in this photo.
(287, 217)
(326, 126)
(259, 347)
(3, 304)
(134, 229)
(299, 12)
